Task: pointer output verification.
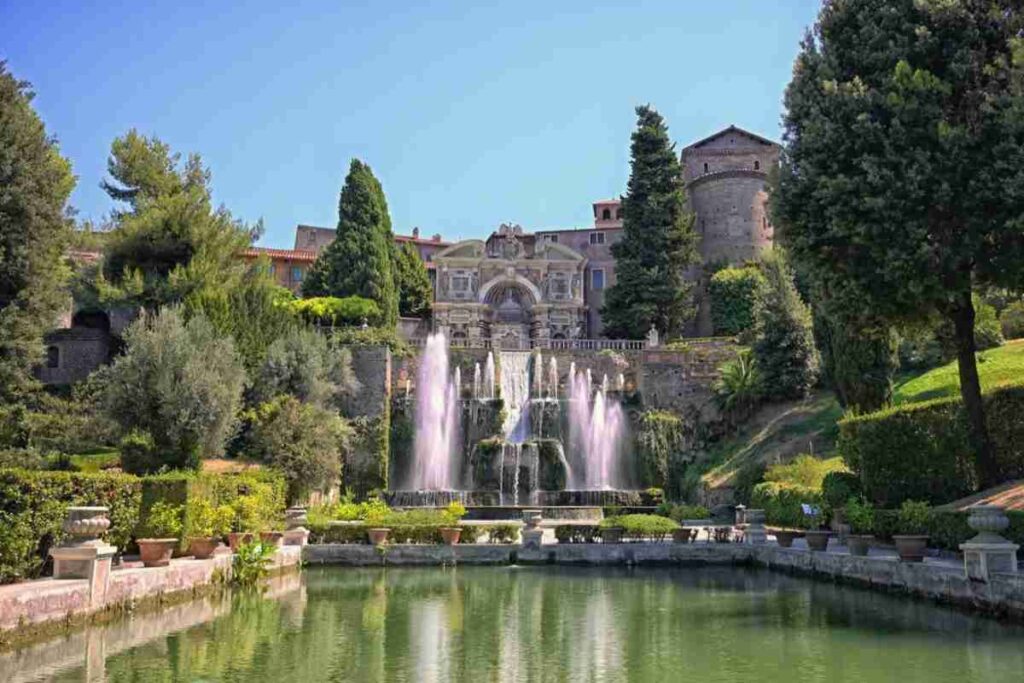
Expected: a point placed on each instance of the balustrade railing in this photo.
(530, 344)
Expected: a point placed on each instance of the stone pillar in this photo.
(84, 555)
(741, 514)
(532, 533)
(755, 533)
(988, 552)
(295, 531)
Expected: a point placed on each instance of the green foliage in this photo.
(577, 533)
(678, 513)
(996, 367)
(163, 520)
(733, 293)
(882, 110)
(305, 442)
(359, 261)
(454, 512)
(781, 502)
(658, 242)
(307, 365)
(640, 527)
(415, 293)
(208, 520)
(860, 515)
(366, 467)
(660, 440)
(171, 243)
(251, 564)
(858, 355)
(804, 470)
(72, 424)
(503, 533)
(35, 228)
(837, 487)
(34, 507)
(935, 462)
(913, 518)
(331, 310)
(783, 346)
(1011, 320)
(372, 336)
(179, 383)
(739, 386)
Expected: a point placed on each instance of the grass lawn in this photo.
(995, 366)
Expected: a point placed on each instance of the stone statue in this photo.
(575, 286)
(652, 337)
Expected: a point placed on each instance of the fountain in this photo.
(437, 420)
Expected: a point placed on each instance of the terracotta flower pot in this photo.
(450, 535)
(785, 538)
(378, 536)
(683, 535)
(202, 548)
(274, 539)
(859, 544)
(236, 539)
(911, 548)
(156, 552)
(611, 535)
(817, 539)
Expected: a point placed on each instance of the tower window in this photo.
(705, 167)
(597, 238)
(296, 274)
(597, 279)
(606, 215)
(52, 357)
(757, 165)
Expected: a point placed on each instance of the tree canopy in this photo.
(359, 261)
(415, 293)
(658, 241)
(35, 228)
(901, 186)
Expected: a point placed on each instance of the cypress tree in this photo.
(35, 228)
(359, 261)
(415, 292)
(658, 242)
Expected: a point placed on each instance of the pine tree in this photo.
(415, 292)
(360, 259)
(658, 242)
(783, 336)
(35, 227)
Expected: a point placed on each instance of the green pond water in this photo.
(537, 624)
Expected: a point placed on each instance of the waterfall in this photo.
(553, 378)
(437, 420)
(596, 428)
(476, 381)
(538, 376)
(620, 383)
(515, 391)
(489, 377)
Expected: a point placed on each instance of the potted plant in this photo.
(246, 522)
(912, 523)
(162, 529)
(209, 525)
(375, 519)
(785, 537)
(450, 517)
(861, 518)
(817, 538)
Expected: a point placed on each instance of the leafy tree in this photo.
(658, 242)
(415, 292)
(858, 357)
(1012, 320)
(901, 184)
(35, 227)
(733, 292)
(176, 391)
(783, 346)
(304, 441)
(305, 364)
(171, 242)
(359, 260)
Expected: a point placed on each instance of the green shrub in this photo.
(733, 292)
(454, 512)
(781, 502)
(577, 533)
(678, 513)
(1012, 320)
(164, 520)
(804, 470)
(33, 507)
(640, 527)
(307, 365)
(251, 564)
(739, 386)
(660, 441)
(922, 450)
(503, 533)
(332, 532)
(860, 515)
(331, 310)
(838, 487)
(207, 520)
(913, 518)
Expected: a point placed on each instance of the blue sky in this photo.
(471, 114)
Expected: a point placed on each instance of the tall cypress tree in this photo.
(359, 261)
(415, 292)
(658, 242)
(35, 183)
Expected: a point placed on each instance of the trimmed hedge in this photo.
(732, 292)
(577, 533)
(355, 533)
(781, 502)
(921, 451)
(33, 507)
(641, 527)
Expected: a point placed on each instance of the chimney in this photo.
(416, 233)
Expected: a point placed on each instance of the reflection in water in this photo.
(538, 624)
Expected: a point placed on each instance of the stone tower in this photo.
(726, 175)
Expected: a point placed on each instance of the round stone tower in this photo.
(725, 176)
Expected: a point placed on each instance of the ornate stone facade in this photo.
(513, 290)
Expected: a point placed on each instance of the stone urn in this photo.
(450, 535)
(817, 539)
(785, 537)
(378, 536)
(911, 548)
(274, 539)
(988, 521)
(85, 525)
(295, 531)
(156, 552)
(203, 548)
(532, 518)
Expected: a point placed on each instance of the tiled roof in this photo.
(398, 238)
(292, 254)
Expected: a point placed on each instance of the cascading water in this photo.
(553, 378)
(596, 426)
(515, 392)
(437, 420)
(488, 387)
(476, 381)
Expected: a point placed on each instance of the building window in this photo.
(296, 274)
(618, 214)
(597, 279)
(553, 238)
(606, 215)
(52, 357)
(597, 238)
(705, 167)
(757, 165)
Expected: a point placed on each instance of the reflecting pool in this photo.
(537, 624)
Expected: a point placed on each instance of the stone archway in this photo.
(510, 304)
